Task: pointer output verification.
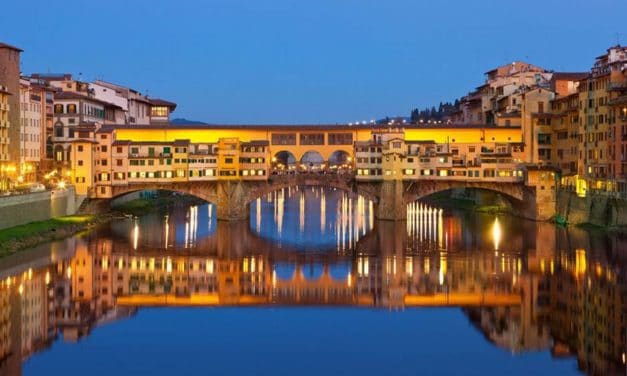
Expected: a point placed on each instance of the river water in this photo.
(312, 284)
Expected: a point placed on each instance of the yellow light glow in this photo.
(496, 233)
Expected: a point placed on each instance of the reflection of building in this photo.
(523, 296)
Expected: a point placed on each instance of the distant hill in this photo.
(181, 121)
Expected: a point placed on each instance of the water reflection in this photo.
(327, 218)
(525, 286)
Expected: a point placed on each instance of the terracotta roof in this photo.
(71, 95)
(4, 45)
(574, 76)
(82, 140)
(162, 102)
(299, 127)
(181, 142)
(256, 143)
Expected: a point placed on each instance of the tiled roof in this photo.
(4, 45)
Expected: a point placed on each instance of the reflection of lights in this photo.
(168, 265)
(323, 211)
(580, 262)
(30, 273)
(47, 278)
(443, 267)
(301, 212)
(258, 215)
(69, 272)
(496, 233)
(409, 266)
(209, 266)
(274, 278)
(135, 235)
(362, 266)
(20, 289)
(349, 280)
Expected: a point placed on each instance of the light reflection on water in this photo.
(528, 288)
(313, 218)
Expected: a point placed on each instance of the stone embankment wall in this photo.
(596, 210)
(40, 206)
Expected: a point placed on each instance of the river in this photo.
(313, 284)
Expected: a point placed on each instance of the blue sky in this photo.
(297, 61)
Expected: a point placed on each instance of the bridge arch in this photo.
(312, 160)
(284, 160)
(333, 181)
(203, 191)
(513, 192)
(340, 159)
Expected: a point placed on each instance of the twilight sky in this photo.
(298, 61)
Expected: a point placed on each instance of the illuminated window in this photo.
(409, 171)
(159, 111)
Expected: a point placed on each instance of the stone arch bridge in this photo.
(389, 197)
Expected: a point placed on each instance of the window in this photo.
(166, 150)
(118, 162)
(58, 108)
(283, 139)
(340, 138)
(135, 151)
(228, 160)
(103, 162)
(159, 111)
(71, 108)
(80, 162)
(312, 139)
(103, 148)
(118, 150)
(79, 148)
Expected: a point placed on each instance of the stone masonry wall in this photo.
(40, 206)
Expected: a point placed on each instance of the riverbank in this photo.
(31, 234)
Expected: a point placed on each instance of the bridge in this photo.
(391, 167)
(389, 197)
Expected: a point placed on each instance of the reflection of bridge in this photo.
(389, 197)
(224, 270)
